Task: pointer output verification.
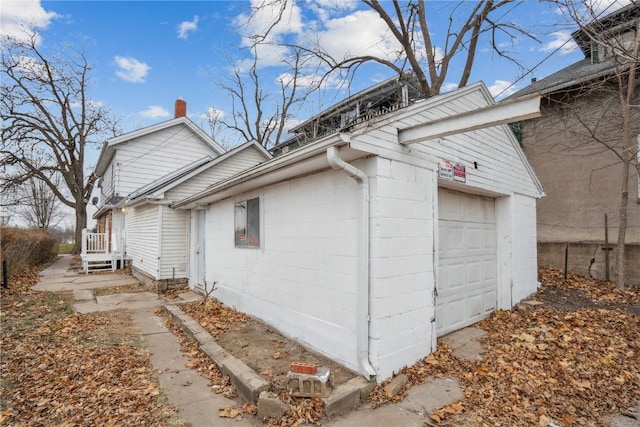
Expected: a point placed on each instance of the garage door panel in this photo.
(467, 270)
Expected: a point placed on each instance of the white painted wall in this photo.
(303, 279)
(402, 277)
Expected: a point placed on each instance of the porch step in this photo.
(98, 262)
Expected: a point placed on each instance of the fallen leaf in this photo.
(229, 412)
(277, 355)
(435, 417)
(453, 408)
(431, 360)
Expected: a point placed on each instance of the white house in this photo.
(157, 236)
(141, 173)
(369, 243)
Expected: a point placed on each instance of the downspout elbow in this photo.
(362, 290)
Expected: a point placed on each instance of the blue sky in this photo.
(149, 53)
(146, 54)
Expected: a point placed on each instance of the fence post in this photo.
(566, 260)
(5, 275)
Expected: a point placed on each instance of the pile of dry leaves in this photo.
(542, 365)
(63, 368)
(217, 319)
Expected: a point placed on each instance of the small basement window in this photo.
(247, 223)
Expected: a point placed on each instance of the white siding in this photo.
(302, 281)
(173, 249)
(501, 164)
(143, 235)
(107, 189)
(237, 163)
(152, 156)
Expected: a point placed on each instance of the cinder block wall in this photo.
(303, 280)
(402, 277)
(581, 254)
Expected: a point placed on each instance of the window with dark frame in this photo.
(247, 223)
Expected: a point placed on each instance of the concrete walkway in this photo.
(185, 388)
(190, 392)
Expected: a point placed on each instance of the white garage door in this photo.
(467, 266)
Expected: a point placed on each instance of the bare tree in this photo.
(417, 52)
(609, 124)
(37, 204)
(49, 120)
(258, 114)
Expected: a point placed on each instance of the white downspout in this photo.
(362, 288)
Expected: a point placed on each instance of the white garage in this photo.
(374, 240)
(467, 260)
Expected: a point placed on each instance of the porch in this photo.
(102, 251)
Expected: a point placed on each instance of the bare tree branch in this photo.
(48, 121)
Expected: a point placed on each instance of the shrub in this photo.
(24, 248)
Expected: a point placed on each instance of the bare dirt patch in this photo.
(258, 345)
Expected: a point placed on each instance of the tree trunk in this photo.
(622, 226)
(81, 223)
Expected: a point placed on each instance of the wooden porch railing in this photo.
(94, 243)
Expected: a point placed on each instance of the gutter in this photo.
(362, 278)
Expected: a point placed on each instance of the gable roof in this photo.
(157, 188)
(585, 70)
(312, 157)
(109, 147)
(581, 72)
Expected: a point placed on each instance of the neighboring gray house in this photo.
(371, 241)
(567, 148)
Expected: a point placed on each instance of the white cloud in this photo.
(562, 41)
(263, 18)
(501, 88)
(325, 9)
(154, 112)
(131, 70)
(360, 33)
(16, 17)
(448, 87)
(186, 27)
(213, 114)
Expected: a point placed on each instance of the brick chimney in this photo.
(180, 108)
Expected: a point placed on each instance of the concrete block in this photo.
(365, 387)
(310, 385)
(343, 398)
(213, 351)
(269, 406)
(396, 385)
(246, 381)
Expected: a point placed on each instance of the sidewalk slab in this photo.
(466, 343)
(132, 301)
(423, 399)
(384, 416)
(190, 392)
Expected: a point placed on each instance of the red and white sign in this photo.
(452, 171)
